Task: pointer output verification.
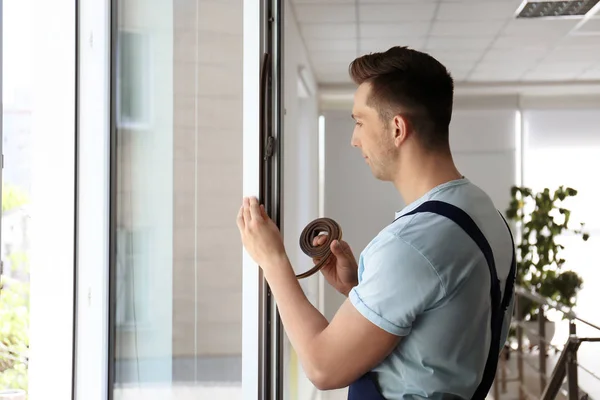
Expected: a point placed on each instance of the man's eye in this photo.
(358, 123)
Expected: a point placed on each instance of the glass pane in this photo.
(178, 265)
(16, 146)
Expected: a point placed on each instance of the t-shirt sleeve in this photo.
(397, 284)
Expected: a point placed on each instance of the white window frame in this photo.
(92, 330)
(251, 280)
(92, 323)
(54, 203)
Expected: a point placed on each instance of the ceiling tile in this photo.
(592, 41)
(564, 54)
(511, 42)
(329, 31)
(495, 76)
(396, 1)
(557, 71)
(592, 25)
(448, 56)
(520, 65)
(331, 45)
(480, 10)
(459, 75)
(315, 13)
(458, 43)
(541, 27)
(396, 12)
(591, 74)
(466, 28)
(463, 37)
(367, 30)
(459, 65)
(377, 45)
(515, 53)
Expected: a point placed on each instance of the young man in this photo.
(426, 306)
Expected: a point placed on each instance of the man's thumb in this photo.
(338, 248)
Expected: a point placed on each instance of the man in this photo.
(418, 318)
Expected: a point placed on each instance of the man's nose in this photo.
(354, 142)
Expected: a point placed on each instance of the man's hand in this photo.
(260, 235)
(341, 270)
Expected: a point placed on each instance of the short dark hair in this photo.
(414, 84)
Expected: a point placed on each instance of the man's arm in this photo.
(333, 354)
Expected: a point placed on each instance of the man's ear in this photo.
(401, 129)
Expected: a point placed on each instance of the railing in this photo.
(550, 386)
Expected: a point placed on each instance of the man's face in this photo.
(373, 137)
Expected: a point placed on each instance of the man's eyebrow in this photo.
(354, 116)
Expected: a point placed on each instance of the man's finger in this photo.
(255, 209)
(346, 248)
(247, 215)
(263, 212)
(320, 239)
(240, 218)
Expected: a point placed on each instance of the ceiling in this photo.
(477, 40)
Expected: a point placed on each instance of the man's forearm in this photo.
(303, 322)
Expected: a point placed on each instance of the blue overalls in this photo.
(366, 388)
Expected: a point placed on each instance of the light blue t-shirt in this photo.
(425, 279)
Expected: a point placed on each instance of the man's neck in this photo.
(418, 175)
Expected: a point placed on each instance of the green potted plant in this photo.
(541, 218)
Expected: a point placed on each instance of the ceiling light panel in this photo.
(555, 9)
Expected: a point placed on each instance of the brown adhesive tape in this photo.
(323, 251)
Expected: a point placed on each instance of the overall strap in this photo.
(462, 219)
(512, 274)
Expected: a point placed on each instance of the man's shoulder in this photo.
(393, 256)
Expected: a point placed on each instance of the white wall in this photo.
(484, 137)
(349, 189)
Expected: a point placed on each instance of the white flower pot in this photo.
(12, 394)
(533, 326)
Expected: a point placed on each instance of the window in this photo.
(177, 288)
(561, 148)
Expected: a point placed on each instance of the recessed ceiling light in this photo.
(555, 9)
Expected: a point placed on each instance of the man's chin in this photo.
(378, 175)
